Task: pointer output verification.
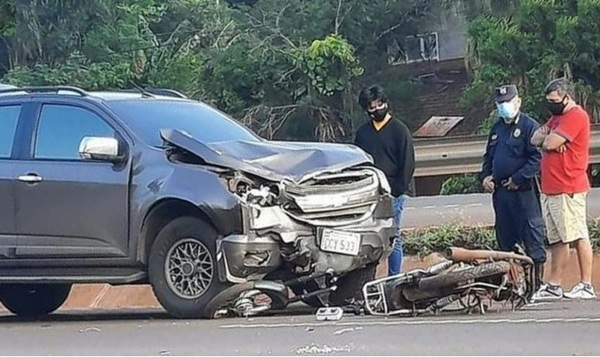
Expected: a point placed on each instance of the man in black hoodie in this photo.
(390, 143)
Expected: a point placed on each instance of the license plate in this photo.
(340, 242)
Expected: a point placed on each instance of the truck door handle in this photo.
(30, 178)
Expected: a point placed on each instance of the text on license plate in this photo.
(340, 242)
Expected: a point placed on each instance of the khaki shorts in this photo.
(565, 217)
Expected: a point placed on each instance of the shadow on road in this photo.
(300, 311)
(91, 315)
(134, 315)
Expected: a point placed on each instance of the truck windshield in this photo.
(205, 124)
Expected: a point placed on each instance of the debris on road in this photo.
(165, 353)
(351, 329)
(310, 329)
(90, 329)
(342, 331)
(329, 314)
(316, 349)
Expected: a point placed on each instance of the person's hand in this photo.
(561, 148)
(539, 135)
(488, 184)
(510, 185)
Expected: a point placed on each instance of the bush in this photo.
(461, 184)
(423, 242)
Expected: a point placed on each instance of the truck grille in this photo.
(334, 199)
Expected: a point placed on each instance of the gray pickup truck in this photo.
(148, 186)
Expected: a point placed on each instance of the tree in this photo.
(544, 40)
(287, 71)
(7, 17)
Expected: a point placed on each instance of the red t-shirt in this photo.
(567, 172)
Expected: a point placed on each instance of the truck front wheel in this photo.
(183, 267)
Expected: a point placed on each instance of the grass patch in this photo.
(423, 242)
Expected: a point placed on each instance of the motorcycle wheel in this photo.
(349, 286)
(438, 285)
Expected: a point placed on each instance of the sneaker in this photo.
(581, 291)
(547, 292)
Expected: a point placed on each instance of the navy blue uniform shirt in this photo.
(509, 152)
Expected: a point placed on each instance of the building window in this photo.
(419, 48)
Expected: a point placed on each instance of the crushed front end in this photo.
(330, 222)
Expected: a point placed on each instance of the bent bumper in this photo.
(271, 236)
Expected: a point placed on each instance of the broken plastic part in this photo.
(329, 313)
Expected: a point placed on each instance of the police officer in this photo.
(510, 168)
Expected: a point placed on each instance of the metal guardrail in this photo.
(464, 154)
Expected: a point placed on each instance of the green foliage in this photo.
(542, 40)
(423, 242)
(594, 231)
(486, 124)
(284, 70)
(461, 184)
(330, 64)
(76, 71)
(8, 17)
(426, 241)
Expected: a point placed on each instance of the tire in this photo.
(435, 286)
(33, 300)
(190, 239)
(225, 296)
(350, 285)
(297, 289)
(312, 301)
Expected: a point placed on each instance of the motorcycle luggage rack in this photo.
(375, 291)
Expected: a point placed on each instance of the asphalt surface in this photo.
(472, 209)
(559, 328)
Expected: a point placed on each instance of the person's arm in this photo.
(532, 167)
(358, 139)
(565, 132)
(486, 167)
(406, 156)
(537, 139)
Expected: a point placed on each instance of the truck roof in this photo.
(126, 94)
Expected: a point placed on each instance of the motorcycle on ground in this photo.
(470, 279)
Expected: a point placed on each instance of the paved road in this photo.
(472, 209)
(565, 328)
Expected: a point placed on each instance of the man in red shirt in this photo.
(565, 142)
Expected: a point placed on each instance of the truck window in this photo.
(148, 118)
(9, 117)
(61, 128)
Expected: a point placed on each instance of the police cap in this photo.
(505, 93)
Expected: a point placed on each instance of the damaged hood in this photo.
(273, 160)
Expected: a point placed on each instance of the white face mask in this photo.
(507, 111)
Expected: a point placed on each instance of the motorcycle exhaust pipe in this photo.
(465, 255)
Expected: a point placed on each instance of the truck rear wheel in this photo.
(183, 267)
(31, 300)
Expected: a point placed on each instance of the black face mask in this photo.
(556, 108)
(379, 114)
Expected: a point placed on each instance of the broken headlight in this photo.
(252, 193)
